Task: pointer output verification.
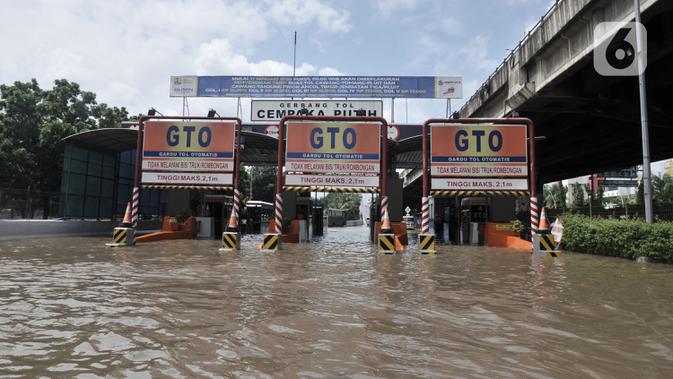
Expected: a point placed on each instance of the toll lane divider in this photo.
(230, 241)
(387, 243)
(331, 189)
(122, 236)
(439, 193)
(426, 243)
(544, 244)
(271, 242)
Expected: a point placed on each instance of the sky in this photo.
(126, 51)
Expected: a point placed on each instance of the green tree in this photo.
(263, 182)
(349, 202)
(662, 190)
(578, 196)
(599, 198)
(33, 122)
(555, 196)
(640, 194)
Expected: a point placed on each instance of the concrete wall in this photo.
(22, 229)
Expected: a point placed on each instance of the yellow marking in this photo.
(428, 243)
(229, 240)
(121, 237)
(270, 242)
(386, 243)
(545, 242)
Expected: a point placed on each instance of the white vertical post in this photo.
(642, 86)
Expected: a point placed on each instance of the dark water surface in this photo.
(70, 307)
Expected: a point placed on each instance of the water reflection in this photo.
(69, 307)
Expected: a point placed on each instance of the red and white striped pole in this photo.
(233, 219)
(385, 217)
(534, 216)
(425, 215)
(279, 213)
(135, 204)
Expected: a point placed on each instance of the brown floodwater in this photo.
(69, 307)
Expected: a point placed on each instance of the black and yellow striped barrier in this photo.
(331, 189)
(545, 244)
(426, 243)
(271, 242)
(438, 193)
(387, 243)
(122, 237)
(230, 241)
(173, 187)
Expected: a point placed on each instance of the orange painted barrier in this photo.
(172, 230)
(399, 229)
(289, 236)
(501, 235)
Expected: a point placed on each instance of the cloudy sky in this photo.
(126, 51)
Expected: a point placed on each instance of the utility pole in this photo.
(294, 56)
(642, 86)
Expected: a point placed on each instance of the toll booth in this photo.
(446, 219)
(317, 221)
(255, 216)
(217, 207)
(473, 218)
(311, 217)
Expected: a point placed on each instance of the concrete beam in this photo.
(559, 42)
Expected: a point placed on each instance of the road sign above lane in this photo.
(275, 110)
(428, 87)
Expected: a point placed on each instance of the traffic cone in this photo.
(127, 217)
(233, 222)
(544, 225)
(385, 224)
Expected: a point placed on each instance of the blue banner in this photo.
(426, 87)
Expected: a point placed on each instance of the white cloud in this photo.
(126, 51)
(302, 12)
(477, 53)
(218, 58)
(388, 7)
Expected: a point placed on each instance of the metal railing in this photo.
(17, 203)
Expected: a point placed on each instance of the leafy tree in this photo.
(349, 202)
(33, 122)
(578, 196)
(599, 199)
(263, 182)
(555, 196)
(640, 194)
(662, 190)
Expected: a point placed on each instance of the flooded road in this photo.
(71, 308)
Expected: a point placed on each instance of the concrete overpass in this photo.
(592, 122)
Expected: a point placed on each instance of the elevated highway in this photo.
(591, 122)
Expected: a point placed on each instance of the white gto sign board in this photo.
(274, 110)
